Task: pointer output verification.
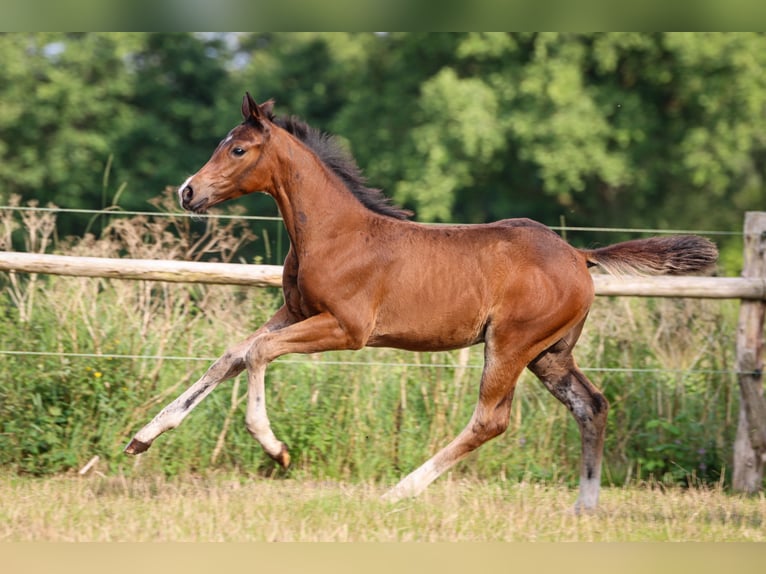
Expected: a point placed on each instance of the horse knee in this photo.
(587, 404)
(498, 427)
(491, 425)
(589, 408)
(486, 430)
(254, 355)
(599, 405)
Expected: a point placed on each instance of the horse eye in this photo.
(238, 151)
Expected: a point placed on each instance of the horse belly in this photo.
(431, 319)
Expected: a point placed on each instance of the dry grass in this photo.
(224, 509)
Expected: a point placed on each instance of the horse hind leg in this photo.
(490, 419)
(557, 370)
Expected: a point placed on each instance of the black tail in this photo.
(670, 255)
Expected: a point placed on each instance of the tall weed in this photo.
(114, 352)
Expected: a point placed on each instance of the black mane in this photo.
(332, 154)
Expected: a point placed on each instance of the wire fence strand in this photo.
(331, 362)
(200, 216)
(563, 228)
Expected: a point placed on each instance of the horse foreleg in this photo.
(318, 333)
(490, 418)
(558, 372)
(229, 365)
(257, 419)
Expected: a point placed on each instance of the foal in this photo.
(358, 273)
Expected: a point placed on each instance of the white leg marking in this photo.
(227, 366)
(256, 418)
(172, 415)
(414, 483)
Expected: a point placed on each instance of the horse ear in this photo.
(267, 108)
(250, 108)
(252, 111)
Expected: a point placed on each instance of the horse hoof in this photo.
(136, 447)
(390, 496)
(283, 457)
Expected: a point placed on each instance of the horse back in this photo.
(454, 281)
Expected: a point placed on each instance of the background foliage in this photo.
(658, 130)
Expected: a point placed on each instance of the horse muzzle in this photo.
(188, 202)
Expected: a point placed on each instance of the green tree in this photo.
(618, 129)
(179, 82)
(61, 94)
(614, 129)
(140, 108)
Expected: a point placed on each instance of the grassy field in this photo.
(237, 509)
(87, 362)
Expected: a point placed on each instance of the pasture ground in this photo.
(240, 509)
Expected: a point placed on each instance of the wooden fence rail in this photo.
(271, 276)
(750, 444)
(143, 269)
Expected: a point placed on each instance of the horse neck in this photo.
(312, 200)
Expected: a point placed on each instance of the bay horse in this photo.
(360, 273)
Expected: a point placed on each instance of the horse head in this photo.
(232, 169)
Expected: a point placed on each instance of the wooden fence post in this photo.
(750, 444)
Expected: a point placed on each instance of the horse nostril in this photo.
(186, 195)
